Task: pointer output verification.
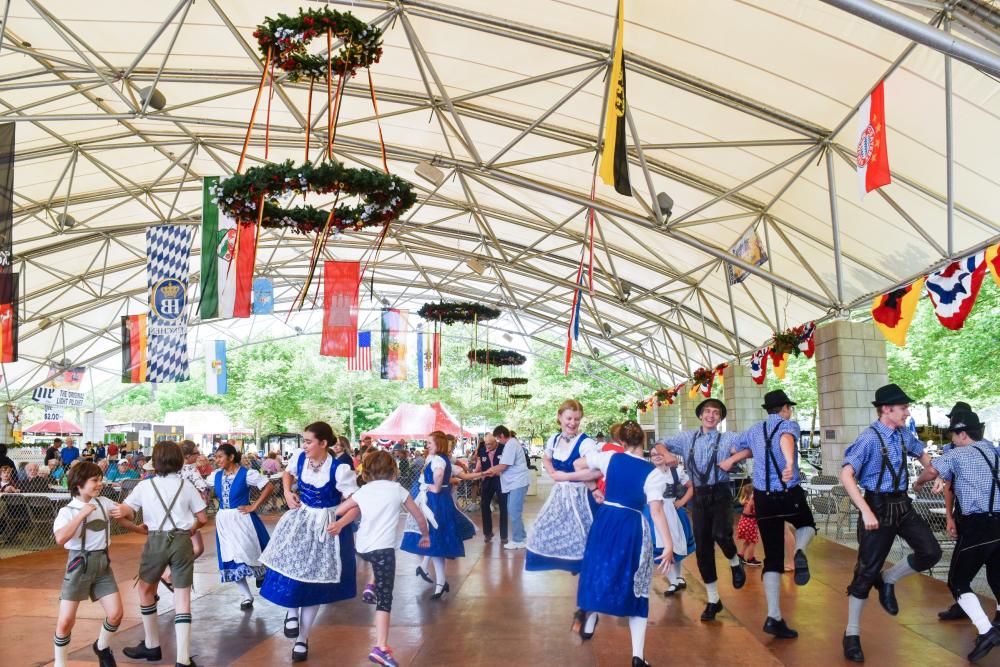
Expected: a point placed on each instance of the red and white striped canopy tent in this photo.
(414, 422)
(54, 427)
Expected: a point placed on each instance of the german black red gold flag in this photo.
(614, 155)
(134, 368)
(6, 196)
(8, 317)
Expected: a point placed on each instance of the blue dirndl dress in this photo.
(618, 565)
(240, 538)
(306, 565)
(559, 537)
(681, 532)
(446, 538)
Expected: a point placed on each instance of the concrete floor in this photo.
(496, 614)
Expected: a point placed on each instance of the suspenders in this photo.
(995, 471)
(706, 474)
(166, 507)
(896, 475)
(769, 457)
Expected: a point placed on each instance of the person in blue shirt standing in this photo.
(69, 453)
(778, 498)
(951, 509)
(972, 468)
(876, 462)
(702, 450)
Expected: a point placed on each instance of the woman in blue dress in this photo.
(240, 535)
(618, 563)
(307, 566)
(435, 496)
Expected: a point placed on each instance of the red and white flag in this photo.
(758, 365)
(340, 308)
(807, 344)
(953, 289)
(872, 149)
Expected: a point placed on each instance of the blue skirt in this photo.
(610, 579)
(680, 552)
(287, 592)
(233, 571)
(446, 539)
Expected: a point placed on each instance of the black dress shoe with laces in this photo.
(711, 609)
(639, 662)
(739, 575)
(954, 613)
(104, 656)
(140, 652)
(984, 644)
(801, 568)
(887, 596)
(779, 628)
(852, 648)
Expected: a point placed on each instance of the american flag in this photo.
(362, 359)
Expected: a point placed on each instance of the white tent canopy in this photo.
(741, 111)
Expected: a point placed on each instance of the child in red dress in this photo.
(746, 529)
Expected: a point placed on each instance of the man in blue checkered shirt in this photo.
(972, 468)
(876, 462)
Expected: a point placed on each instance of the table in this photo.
(819, 488)
(64, 495)
(58, 489)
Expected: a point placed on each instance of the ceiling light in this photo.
(666, 204)
(607, 330)
(476, 266)
(66, 221)
(507, 337)
(626, 288)
(156, 99)
(44, 323)
(429, 172)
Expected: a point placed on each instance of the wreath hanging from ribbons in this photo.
(497, 357)
(453, 312)
(520, 397)
(508, 382)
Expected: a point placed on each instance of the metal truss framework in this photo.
(492, 210)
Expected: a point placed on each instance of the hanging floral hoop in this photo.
(285, 38)
(508, 382)
(786, 342)
(454, 312)
(520, 397)
(497, 357)
(702, 376)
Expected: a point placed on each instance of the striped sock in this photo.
(62, 650)
(103, 641)
(182, 629)
(149, 624)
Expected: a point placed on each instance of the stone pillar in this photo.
(743, 398)
(850, 366)
(668, 419)
(686, 406)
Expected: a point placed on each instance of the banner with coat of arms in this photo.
(167, 250)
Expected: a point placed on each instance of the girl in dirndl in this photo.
(676, 496)
(307, 566)
(240, 535)
(618, 563)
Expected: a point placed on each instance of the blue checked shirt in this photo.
(755, 441)
(971, 476)
(865, 455)
(705, 470)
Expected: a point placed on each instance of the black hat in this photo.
(890, 394)
(961, 406)
(965, 420)
(715, 402)
(776, 399)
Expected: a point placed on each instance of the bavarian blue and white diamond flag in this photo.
(168, 248)
(216, 375)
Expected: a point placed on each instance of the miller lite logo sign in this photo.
(167, 301)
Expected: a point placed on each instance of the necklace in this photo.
(315, 467)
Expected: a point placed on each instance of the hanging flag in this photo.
(216, 376)
(263, 296)
(226, 271)
(8, 317)
(993, 260)
(807, 343)
(873, 151)
(614, 154)
(168, 248)
(435, 358)
(6, 196)
(893, 312)
(750, 249)
(428, 358)
(758, 365)
(393, 344)
(340, 308)
(779, 362)
(134, 367)
(65, 378)
(420, 359)
(362, 359)
(953, 289)
(573, 332)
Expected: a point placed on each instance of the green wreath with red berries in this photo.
(497, 357)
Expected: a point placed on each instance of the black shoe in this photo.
(887, 596)
(140, 651)
(291, 633)
(246, 604)
(300, 656)
(996, 619)
(984, 643)
(423, 575)
(801, 568)
(579, 617)
(104, 656)
(852, 648)
(671, 590)
(444, 589)
(190, 664)
(487, 538)
(639, 662)
(779, 629)
(739, 576)
(711, 609)
(259, 581)
(955, 613)
(589, 635)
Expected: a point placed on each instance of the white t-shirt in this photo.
(188, 503)
(96, 539)
(379, 502)
(515, 475)
(347, 481)
(562, 450)
(653, 486)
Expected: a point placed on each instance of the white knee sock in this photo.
(438, 570)
(854, 608)
(712, 590)
(803, 536)
(591, 622)
(307, 616)
(425, 563)
(674, 572)
(970, 605)
(898, 571)
(772, 591)
(637, 626)
(104, 639)
(182, 630)
(245, 587)
(734, 561)
(62, 650)
(150, 625)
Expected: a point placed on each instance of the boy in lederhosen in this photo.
(83, 528)
(702, 450)
(951, 510)
(778, 498)
(876, 462)
(172, 509)
(973, 469)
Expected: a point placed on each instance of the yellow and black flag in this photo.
(614, 156)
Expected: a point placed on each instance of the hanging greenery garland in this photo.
(508, 382)
(497, 357)
(520, 397)
(285, 39)
(461, 311)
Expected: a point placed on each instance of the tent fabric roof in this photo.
(54, 427)
(413, 422)
(743, 132)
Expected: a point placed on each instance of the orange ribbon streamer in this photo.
(267, 123)
(253, 114)
(378, 123)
